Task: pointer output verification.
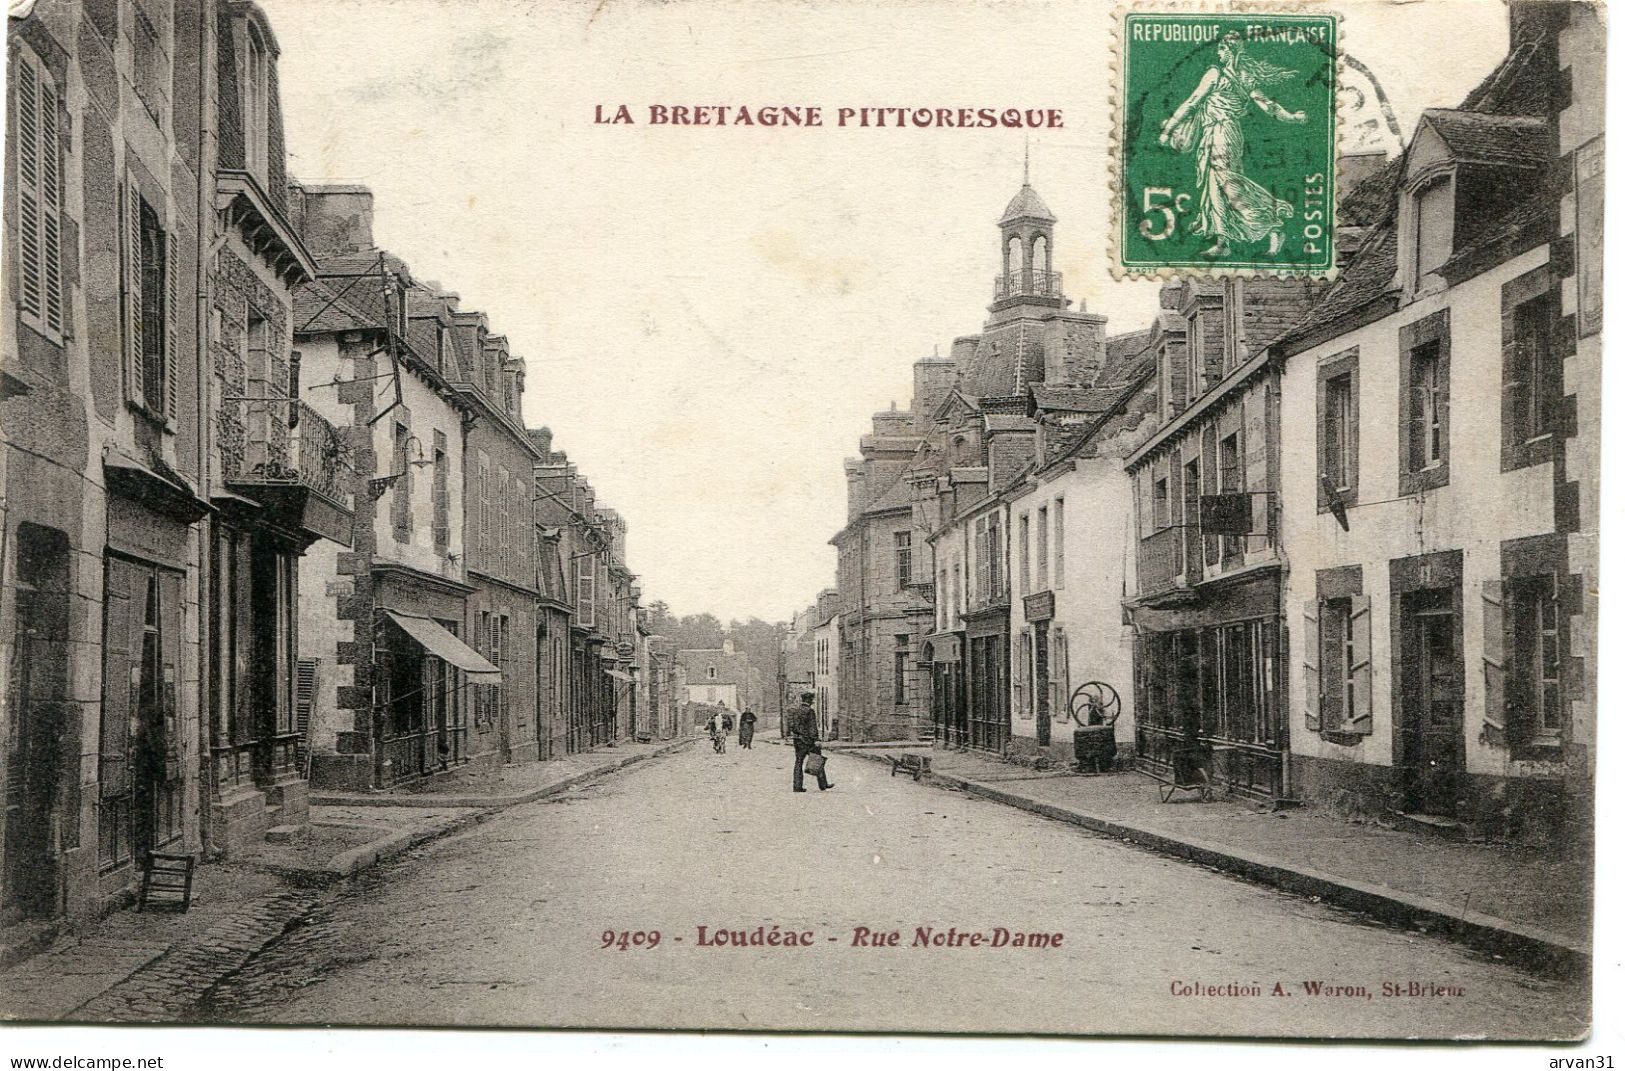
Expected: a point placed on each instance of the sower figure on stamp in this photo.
(804, 735)
(1231, 206)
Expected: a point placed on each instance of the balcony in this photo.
(1162, 563)
(1046, 284)
(300, 475)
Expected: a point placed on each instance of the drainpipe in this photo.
(207, 165)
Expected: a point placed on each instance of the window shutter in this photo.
(134, 357)
(1311, 665)
(306, 674)
(1358, 718)
(1495, 706)
(172, 287)
(28, 186)
(50, 206)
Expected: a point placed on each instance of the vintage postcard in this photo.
(467, 467)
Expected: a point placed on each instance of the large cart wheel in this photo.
(1095, 703)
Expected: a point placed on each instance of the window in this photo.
(1043, 548)
(150, 66)
(1337, 432)
(151, 293)
(39, 178)
(1231, 479)
(1060, 542)
(900, 670)
(995, 559)
(1425, 399)
(1435, 227)
(958, 605)
(903, 548)
(1026, 554)
(1537, 678)
(942, 598)
(400, 504)
(1429, 399)
(256, 102)
(1195, 335)
(1337, 664)
(586, 599)
(710, 673)
(1159, 504)
(441, 491)
(1531, 372)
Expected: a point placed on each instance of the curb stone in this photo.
(354, 860)
(1529, 946)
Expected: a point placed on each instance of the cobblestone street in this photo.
(505, 924)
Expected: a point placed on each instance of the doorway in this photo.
(39, 729)
(1432, 746)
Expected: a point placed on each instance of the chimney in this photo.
(1075, 350)
(334, 220)
(727, 645)
(933, 379)
(542, 439)
(1355, 167)
(854, 488)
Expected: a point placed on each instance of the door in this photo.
(1041, 694)
(155, 750)
(1432, 744)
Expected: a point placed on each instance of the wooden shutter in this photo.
(172, 303)
(1311, 665)
(134, 355)
(50, 206)
(28, 187)
(1357, 719)
(123, 604)
(307, 673)
(1495, 704)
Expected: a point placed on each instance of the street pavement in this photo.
(508, 922)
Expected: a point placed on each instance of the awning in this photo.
(434, 638)
(618, 675)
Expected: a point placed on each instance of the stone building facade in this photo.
(1443, 530)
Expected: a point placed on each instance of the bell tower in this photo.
(1026, 252)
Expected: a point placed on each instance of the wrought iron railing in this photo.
(308, 450)
(1023, 283)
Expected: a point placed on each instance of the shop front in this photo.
(1208, 677)
(987, 676)
(943, 657)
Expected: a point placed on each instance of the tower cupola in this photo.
(1026, 250)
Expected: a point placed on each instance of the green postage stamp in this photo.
(1226, 143)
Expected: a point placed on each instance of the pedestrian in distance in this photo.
(747, 728)
(719, 734)
(804, 735)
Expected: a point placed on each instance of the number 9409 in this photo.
(621, 940)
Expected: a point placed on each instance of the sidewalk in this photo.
(151, 966)
(1515, 902)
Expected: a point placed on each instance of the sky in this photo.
(711, 315)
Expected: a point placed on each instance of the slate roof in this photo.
(1494, 139)
(1026, 204)
(1368, 202)
(1074, 399)
(1368, 277)
(895, 495)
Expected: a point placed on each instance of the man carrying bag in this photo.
(804, 735)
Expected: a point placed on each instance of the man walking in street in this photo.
(804, 735)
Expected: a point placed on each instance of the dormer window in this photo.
(256, 102)
(1433, 210)
(442, 353)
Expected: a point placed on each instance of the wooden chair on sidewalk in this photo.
(166, 884)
